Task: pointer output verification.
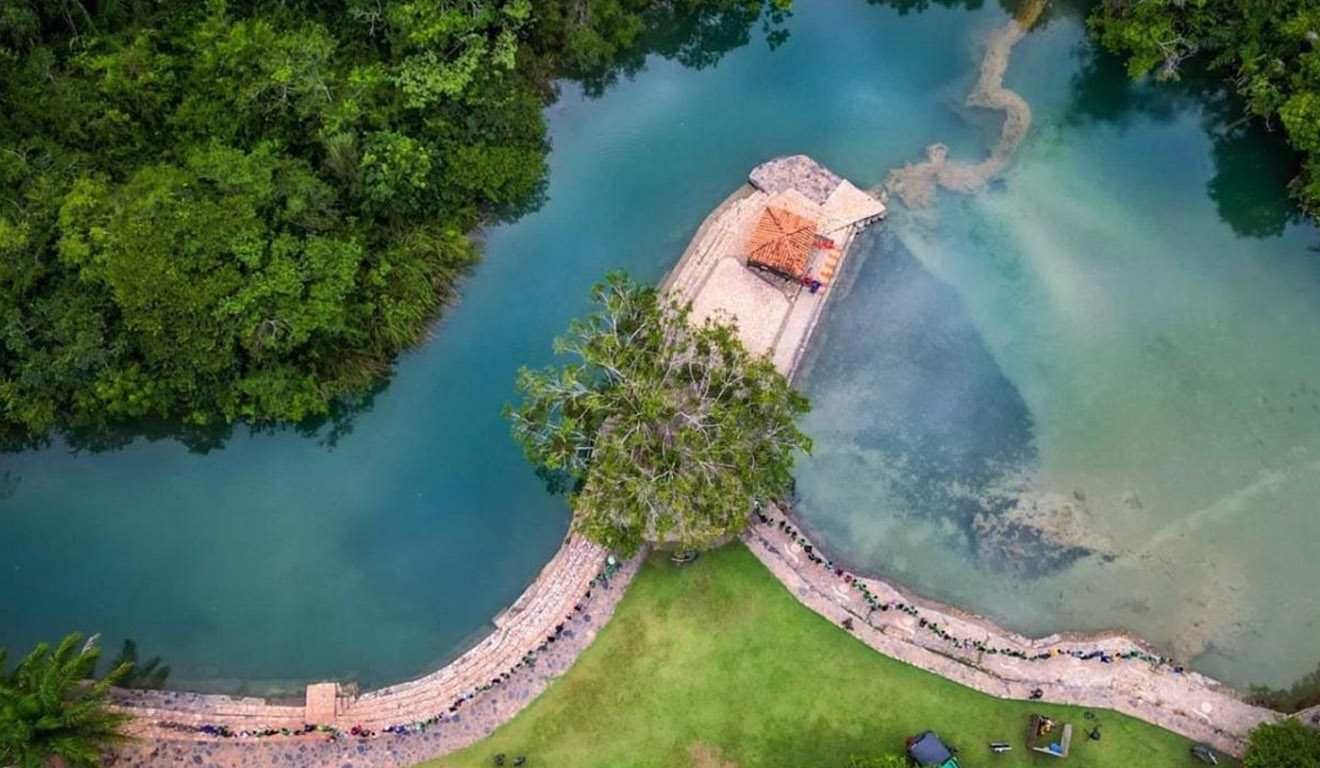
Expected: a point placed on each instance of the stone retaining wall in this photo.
(1085, 670)
(548, 602)
(455, 729)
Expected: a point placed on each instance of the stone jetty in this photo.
(775, 315)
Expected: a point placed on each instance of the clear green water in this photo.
(1088, 332)
(1089, 323)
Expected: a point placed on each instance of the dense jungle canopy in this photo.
(218, 211)
(212, 211)
(1269, 51)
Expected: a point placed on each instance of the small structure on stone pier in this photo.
(781, 243)
(766, 257)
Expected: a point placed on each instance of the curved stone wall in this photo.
(1110, 671)
(558, 595)
(401, 743)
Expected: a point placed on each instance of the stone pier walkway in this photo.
(1111, 671)
(535, 641)
(775, 316)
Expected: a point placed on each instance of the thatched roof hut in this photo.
(781, 242)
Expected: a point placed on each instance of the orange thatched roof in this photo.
(781, 241)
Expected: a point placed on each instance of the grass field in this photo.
(715, 665)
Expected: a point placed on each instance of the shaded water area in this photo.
(1105, 325)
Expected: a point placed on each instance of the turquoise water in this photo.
(1080, 399)
(1090, 321)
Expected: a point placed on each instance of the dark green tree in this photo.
(1285, 744)
(246, 209)
(1268, 51)
(661, 430)
(51, 709)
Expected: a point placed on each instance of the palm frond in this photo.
(50, 708)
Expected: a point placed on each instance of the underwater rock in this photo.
(1037, 533)
(916, 183)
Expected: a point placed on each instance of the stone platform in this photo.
(775, 316)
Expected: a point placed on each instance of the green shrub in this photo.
(1286, 744)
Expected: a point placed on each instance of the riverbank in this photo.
(535, 640)
(715, 665)
(466, 700)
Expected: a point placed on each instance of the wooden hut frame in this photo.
(781, 243)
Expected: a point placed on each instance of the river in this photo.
(1125, 322)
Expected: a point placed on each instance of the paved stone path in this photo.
(460, 704)
(1103, 671)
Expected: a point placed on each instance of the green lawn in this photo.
(715, 665)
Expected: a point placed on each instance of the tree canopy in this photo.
(1268, 51)
(51, 709)
(659, 429)
(245, 209)
(1285, 744)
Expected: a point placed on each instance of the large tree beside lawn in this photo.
(659, 429)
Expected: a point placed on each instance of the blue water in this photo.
(925, 358)
(1094, 303)
(280, 558)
